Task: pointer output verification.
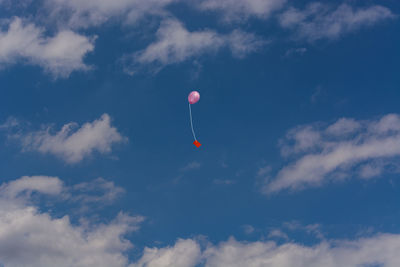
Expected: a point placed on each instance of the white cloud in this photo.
(343, 127)
(184, 253)
(42, 184)
(96, 12)
(176, 44)
(73, 146)
(89, 13)
(344, 149)
(83, 14)
(276, 233)
(321, 21)
(32, 237)
(304, 138)
(379, 250)
(234, 10)
(242, 43)
(59, 55)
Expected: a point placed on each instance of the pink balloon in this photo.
(194, 97)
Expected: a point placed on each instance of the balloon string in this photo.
(191, 121)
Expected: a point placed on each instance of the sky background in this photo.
(298, 119)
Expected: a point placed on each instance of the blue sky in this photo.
(299, 123)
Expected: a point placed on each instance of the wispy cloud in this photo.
(10, 123)
(346, 148)
(26, 185)
(277, 233)
(78, 14)
(89, 13)
(191, 166)
(248, 229)
(175, 44)
(98, 191)
(321, 21)
(312, 229)
(59, 55)
(296, 51)
(224, 181)
(318, 93)
(239, 10)
(72, 143)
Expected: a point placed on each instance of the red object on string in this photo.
(196, 143)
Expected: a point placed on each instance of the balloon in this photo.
(194, 97)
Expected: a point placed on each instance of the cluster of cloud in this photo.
(27, 185)
(321, 21)
(378, 250)
(347, 148)
(72, 143)
(239, 10)
(65, 51)
(184, 253)
(84, 14)
(175, 44)
(287, 230)
(59, 55)
(30, 236)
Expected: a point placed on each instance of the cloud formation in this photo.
(321, 21)
(32, 237)
(175, 44)
(234, 10)
(73, 144)
(184, 253)
(84, 14)
(63, 53)
(96, 191)
(191, 166)
(378, 250)
(346, 148)
(59, 55)
(26, 185)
